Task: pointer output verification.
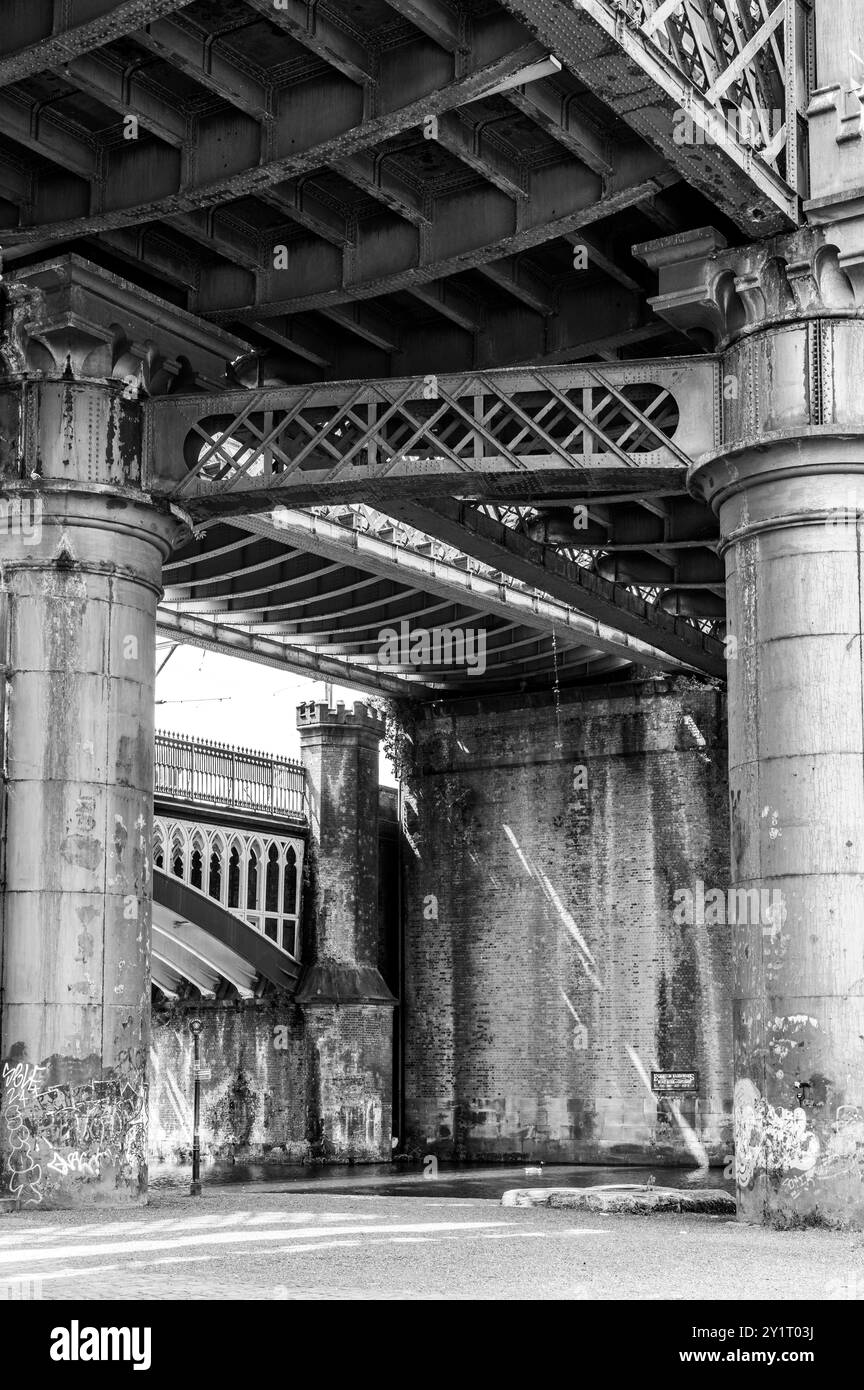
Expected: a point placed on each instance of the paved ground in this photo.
(247, 1241)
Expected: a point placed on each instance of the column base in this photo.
(349, 1030)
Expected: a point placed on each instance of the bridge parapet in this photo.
(191, 770)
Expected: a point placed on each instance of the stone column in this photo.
(788, 488)
(791, 522)
(82, 550)
(348, 1007)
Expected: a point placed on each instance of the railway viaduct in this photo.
(535, 321)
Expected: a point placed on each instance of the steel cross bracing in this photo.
(743, 58)
(515, 433)
(729, 85)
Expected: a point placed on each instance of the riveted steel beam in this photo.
(434, 19)
(519, 432)
(139, 191)
(405, 564)
(656, 77)
(463, 525)
(109, 22)
(268, 651)
(470, 229)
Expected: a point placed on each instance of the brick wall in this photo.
(253, 1109)
(350, 1059)
(544, 975)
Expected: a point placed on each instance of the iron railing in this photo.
(218, 774)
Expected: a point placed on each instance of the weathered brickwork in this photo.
(254, 1106)
(350, 1058)
(545, 977)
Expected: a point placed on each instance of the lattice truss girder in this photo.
(736, 74)
(513, 433)
(734, 52)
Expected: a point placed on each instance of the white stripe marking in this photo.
(65, 1252)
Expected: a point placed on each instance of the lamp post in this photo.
(195, 1028)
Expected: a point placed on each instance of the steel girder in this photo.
(519, 433)
(720, 87)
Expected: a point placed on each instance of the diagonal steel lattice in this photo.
(748, 59)
(522, 421)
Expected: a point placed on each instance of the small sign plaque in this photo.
(674, 1083)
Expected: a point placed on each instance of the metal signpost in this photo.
(195, 1028)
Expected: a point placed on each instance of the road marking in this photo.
(15, 1240)
(166, 1260)
(515, 1235)
(65, 1252)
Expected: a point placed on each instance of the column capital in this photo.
(69, 318)
(719, 294)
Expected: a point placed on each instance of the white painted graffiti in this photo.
(843, 1156)
(57, 1131)
(778, 1142)
(769, 1140)
(77, 1162)
(25, 1172)
(23, 1078)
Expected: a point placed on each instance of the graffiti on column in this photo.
(769, 1140)
(778, 1143)
(842, 1155)
(62, 1130)
(25, 1172)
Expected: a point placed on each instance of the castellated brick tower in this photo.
(347, 1005)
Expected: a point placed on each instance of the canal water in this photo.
(450, 1180)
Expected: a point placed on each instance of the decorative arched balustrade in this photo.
(254, 874)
